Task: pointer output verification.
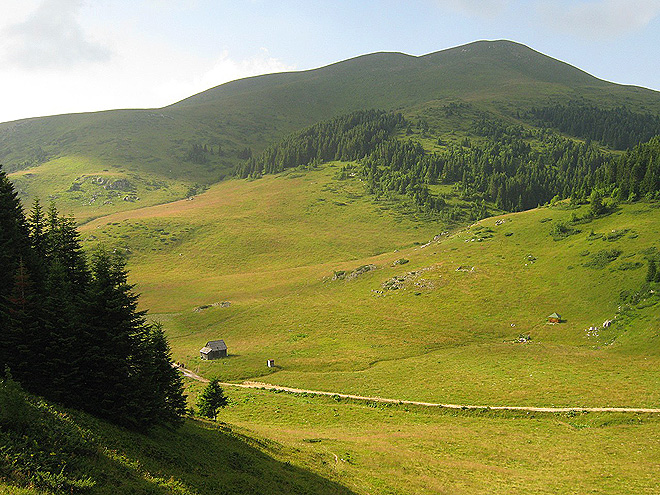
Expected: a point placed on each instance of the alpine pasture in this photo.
(360, 292)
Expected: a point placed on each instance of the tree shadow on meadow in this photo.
(208, 458)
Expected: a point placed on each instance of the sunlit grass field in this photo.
(88, 187)
(395, 449)
(447, 333)
(437, 317)
(442, 313)
(282, 443)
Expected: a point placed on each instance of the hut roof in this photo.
(554, 315)
(216, 345)
(205, 350)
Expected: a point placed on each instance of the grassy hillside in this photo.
(403, 450)
(352, 293)
(46, 449)
(281, 443)
(500, 77)
(445, 321)
(449, 332)
(88, 188)
(272, 247)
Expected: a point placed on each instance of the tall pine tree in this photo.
(14, 253)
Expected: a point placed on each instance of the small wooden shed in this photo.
(214, 349)
(554, 318)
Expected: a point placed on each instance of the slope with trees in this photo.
(619, 128)
(71, 330)
(256, 112)
(510, 167)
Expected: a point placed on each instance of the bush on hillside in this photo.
(602, 258)
(561, 230)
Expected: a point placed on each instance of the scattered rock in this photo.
(401, 281)
(360, 271)
(223, 304)
(120, 185)
(592, 332)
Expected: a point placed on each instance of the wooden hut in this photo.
(554, 318)
(214, 349)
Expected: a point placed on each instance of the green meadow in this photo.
(443, 327)
(89, 188)
(394, 449)
(284, 443)
(355, 294)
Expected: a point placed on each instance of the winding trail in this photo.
(268, 386)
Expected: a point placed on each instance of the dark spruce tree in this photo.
(130, 379)
(14, 254)
(62, 307)
(161, 386)
(115, 327)
(211, 400)
(22, 334)
(14, 241)
(63, 245)
(70, 329)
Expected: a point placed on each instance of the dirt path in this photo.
(268, 386)
(193, 375)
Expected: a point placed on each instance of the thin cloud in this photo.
(174, 4)
(52, 37)
(479, 8)
(604, 19)
(227, 69)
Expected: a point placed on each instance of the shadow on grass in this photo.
(204, 458)
(67, 451)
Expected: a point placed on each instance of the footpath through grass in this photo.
(381, 448)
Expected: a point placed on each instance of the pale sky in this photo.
(62, 56)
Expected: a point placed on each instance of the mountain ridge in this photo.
(516, 51)
(501, 78)
(452, 51)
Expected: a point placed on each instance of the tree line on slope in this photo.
(513, 167)
(619, 128)
(70, 329)
(348, 137)
(506, 171)
(513, 174)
